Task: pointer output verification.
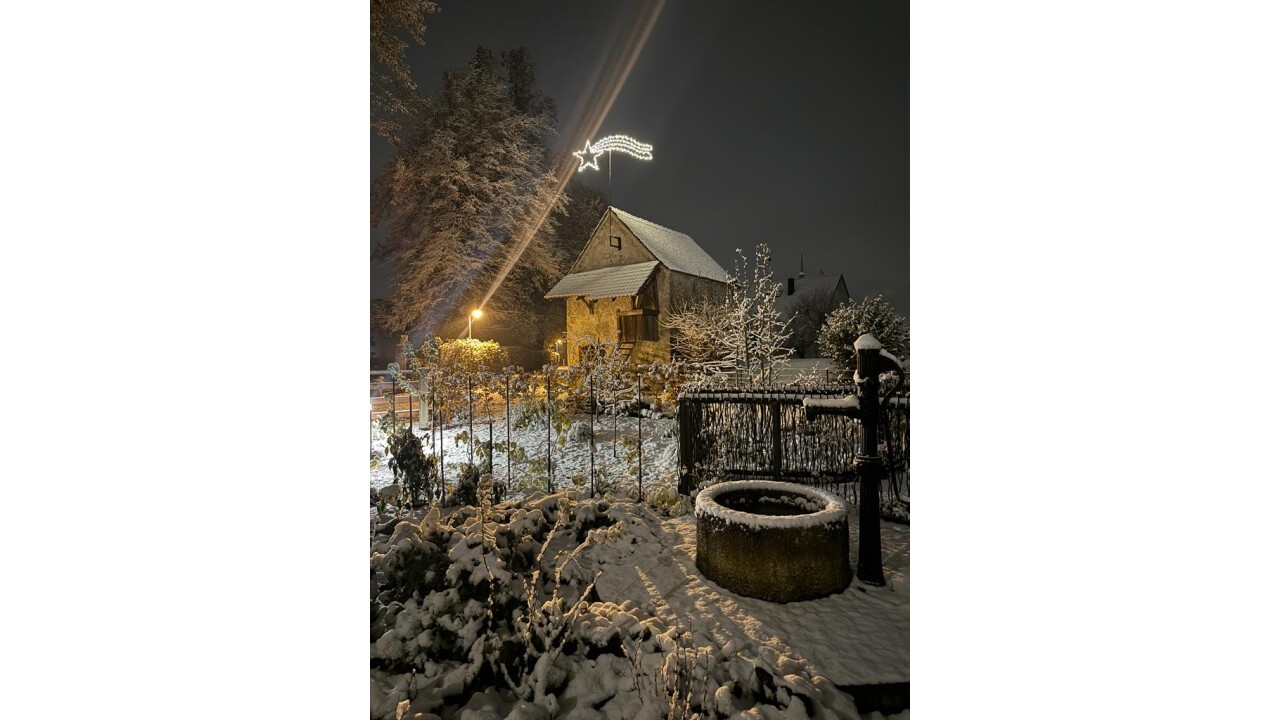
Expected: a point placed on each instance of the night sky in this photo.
(783, 123)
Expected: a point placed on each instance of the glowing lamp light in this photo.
(477, 314)
(619, 143)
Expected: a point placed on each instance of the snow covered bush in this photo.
(486, 596)
(895, 510)
(580, 432)
(413, 470)
(471, 355)
(468, 489)
(872, 315)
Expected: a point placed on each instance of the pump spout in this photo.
(845, 406)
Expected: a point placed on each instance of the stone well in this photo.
(776, 541)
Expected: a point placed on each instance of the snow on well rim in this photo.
(833, 510)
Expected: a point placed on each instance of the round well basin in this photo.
(776, 541)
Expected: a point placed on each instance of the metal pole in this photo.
(508, 433)
(639, 443)
(471, 428)
(549, 475)
(440, 447)
(591, 390)
(488, 411)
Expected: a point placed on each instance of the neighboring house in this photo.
(810, 299)
(626, 279)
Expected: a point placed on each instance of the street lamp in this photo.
(476, 314)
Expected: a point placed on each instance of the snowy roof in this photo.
(618, 281)
(674, 249)
(817, 286)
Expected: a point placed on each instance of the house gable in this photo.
(600, 250)
(621, 238)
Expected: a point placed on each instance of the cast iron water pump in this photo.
(867, 464)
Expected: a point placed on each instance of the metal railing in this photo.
(763, 433)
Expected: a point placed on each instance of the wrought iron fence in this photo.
(763, 433)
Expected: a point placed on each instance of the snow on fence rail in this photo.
(763, 433)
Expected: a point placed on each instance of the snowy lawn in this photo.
(593, 608)
(570, 455)
(857, 637)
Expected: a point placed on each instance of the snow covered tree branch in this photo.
(468, 180)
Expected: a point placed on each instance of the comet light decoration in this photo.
(619, 143)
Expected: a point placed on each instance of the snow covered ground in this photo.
(649, 638)
(570, 456)
(642, 634)
(857, 637)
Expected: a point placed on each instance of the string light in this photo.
(582, 160)
(619, 143)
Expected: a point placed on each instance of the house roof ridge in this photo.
(677, 251)
(657, 225)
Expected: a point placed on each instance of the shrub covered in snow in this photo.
(580, 432)
(413, 470)
(895, 510)
(872, 315)
(467, 491)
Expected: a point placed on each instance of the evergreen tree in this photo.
(469, 179)
(393, 24)
(872, 315)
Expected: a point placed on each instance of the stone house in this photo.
(628, 275)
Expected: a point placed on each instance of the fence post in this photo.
(775, 407)
(508, 433)
(550, 483)
(639, 443)
(591, 391)
(684, 432)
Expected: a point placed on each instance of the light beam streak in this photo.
(598, 108)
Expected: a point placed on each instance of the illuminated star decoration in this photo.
(584, 162)
(619, 143)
